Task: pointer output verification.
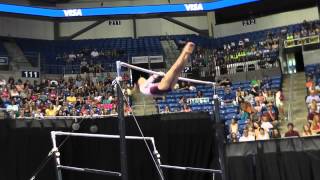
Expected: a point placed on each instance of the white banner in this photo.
(4, 61)
(192, 101)
(147, 59)
(140, 60)
(156, 59)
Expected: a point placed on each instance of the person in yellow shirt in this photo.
(51, 111)
(71, 99)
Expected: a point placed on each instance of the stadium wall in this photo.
(267, 22)
(104, 30)
(154, 27)
(145, 27)
(26, 28)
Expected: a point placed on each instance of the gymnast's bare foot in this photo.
(188, 48)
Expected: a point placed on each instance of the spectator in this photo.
(71, 57)
(306, 130)
(183, 101)
(271, 113)
(248, 97)
(317, 87)
(279, 103)
(291, 132)
(314, 106)
(166, 109)
(14, 92)
(94, 54)
(246, 136)
(199, 94)
(3, 82)
(276, 133)
(309, 82)
(234, 138)
(234, 127)
(228, 96)
(266, 124)
(260, 98)
(311, 114)
(313, 96)
(186, 108)
(252, 132)
(12, 107)
(263, 135)
(315, 124)
(71, 99)
(270, 97)
(51, 111)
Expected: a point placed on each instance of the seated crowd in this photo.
(90, 59)
(251, 111)
(313, 99)
(306, 29)
(244, 54)
(80, 96)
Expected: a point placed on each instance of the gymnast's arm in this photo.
(150, 80)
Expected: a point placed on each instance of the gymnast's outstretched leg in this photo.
(170, 78)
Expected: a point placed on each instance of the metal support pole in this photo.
(56, 155)
(220, 137)
(122, 127)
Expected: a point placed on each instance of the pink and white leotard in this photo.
(150, 88)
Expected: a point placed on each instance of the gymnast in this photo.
(169, 79)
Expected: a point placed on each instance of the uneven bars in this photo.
(119, 63)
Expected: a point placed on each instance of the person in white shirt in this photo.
(3, 82)
(263, 135)
(71, 57)
(94, 53)
(246, 137)
(266, 124)
(13, 107)
(317, 88)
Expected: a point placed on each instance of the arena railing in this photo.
(302, 41)
(68, 117)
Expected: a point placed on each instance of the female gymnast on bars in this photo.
(149, 87)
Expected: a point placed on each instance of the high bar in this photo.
(160, 74)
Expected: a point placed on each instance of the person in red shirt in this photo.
(309, 83)
(291, 132)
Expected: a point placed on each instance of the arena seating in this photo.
(50, 50)
(227, 111)
(143, 46)
(265, 42)
(312, 70)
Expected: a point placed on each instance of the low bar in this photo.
(191, 169)
(88, 170)
(160, 74)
